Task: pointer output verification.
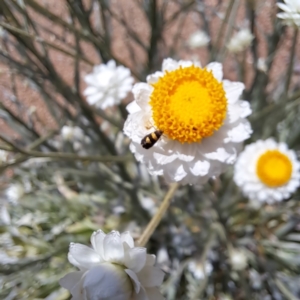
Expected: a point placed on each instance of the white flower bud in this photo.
(240, 41)
(238, 259)
(198, 39)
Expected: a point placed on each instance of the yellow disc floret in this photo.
(274, 168)
(188, 104)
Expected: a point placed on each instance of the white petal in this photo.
(163, 159)
(169, 64)
(185, 63)
(90, 79)
(142, 92)
(284, 7)
(76, 290)
(107, 281)
(151, 276)
(240, 109)
(90, 90)
(136, 259)
(220, 154)
(200, 168)
(150, 260)
(134, 280)
(113, 248)
(127, 238)
(153, 78)
(97, 239)
(179, 173)
(133, 107)
(83, 255)
(239, 133)
(75, 263)
(71, 279)
(216, 69)
(111, 64)
(233, 90)
(109, 101)
(185, 152)
(93, 99)
(141, 295)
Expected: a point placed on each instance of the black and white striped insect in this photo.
(150, 139)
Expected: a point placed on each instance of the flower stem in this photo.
(291, 64)
(221, 31)
(158, 216)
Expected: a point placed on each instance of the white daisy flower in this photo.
(70, 133)
(262, 65)
(198, 39)
(238, 259)
(112, 269)
(198, 115)
(291, 12)
(15, 192)
(3, 156)
(240, 41)
(199, 270)
(107, 85)
(267, 171)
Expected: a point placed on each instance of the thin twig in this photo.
(63, 155)
(291, 64)
(288, 105)
(230, 27)
(158, 216)
(221, 29)
(285, 290)
(21, 158)
(41, 40)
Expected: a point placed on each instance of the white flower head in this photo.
(240, 41)
(262, 65)
(267, 171)
(291, 12)
(3, 32)
(198, 39)
(112, 269)
(3, 156)
(14, 192)
(198, 115)
(199, 270)
(4, 216)
(72, 133)
(108, 84)
(238, 259)
(148, 204)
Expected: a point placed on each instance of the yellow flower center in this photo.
(188, 104)
(274, 168)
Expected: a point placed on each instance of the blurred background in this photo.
(66, 168)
